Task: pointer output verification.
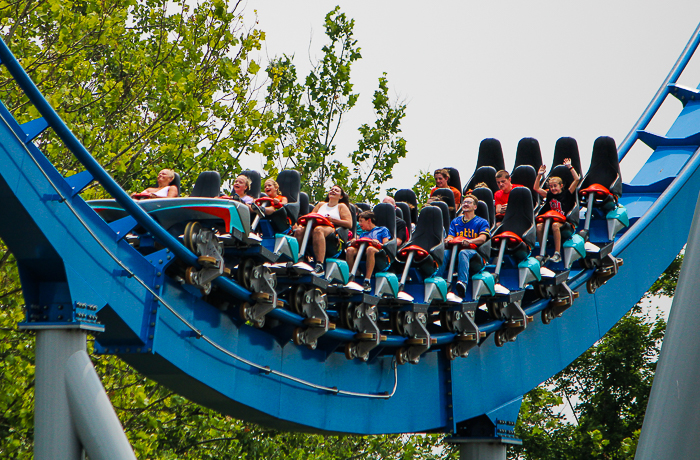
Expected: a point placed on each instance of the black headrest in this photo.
(491, 154)
(399, 212)
(406, 211)
(363, 206)
(454, 178)
(563, 173)
(429, 233)
(482, 210)
(354, 212)
(528, 153)
(303, 203)
(485, 195)
(524, 175)
(385, 215)
(445, 217)
(176, 182)
(605, 166)
(208, 185)
(486, 174)
(519, 217)
(254, 177)
(289, 181)
(566, 147)
(408, 196)
(448, 197)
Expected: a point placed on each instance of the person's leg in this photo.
(369, 262)
(463, 264)
(556, 233)
(445, 265)
(350, 254)
(319, 241)
(540, 233)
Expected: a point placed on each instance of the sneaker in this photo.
(367, 286)
(556, 257)
(319, 270)
(461, 289)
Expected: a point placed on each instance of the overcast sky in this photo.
(471, 70)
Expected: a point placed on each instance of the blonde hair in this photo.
(556, 179)
(248, 182)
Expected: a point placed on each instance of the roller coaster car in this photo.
(485, 174)
(604, 217)
(421, 256)
(445, 195)
(512, 241)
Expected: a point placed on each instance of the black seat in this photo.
(490, 154)
(406, 214)
(208, 185)
(520, 220)
(485, 196)
(485, 174)
(526, 175)
(385, 215)
(566, 147)
(289, 181)
(604, 170)
(304, 208)
(408, 196)
(429, 236)
(445, 217)
(446, 195)
(363, 206)
(254, 176)
(176, 183)
(454, 180)
(528, 153)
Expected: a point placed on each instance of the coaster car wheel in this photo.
(451, 351)
(401, 356)
(296, 336)
(592, 285)
(547, 315)
(296, 297)
(245, 272)
(500, 337)
(494, 310)
(445, 321)
(350, 351)
(192, 230)
(398, 323)
(191, 275)
(244, 311)
(345, 315)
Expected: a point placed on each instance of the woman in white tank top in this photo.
(164, 189)
(336, 208)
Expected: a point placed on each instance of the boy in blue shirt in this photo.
(368, 224)
(474, 230)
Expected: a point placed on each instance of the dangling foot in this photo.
(556, 257)
(367, 286)
(461, 289)
(319, 270)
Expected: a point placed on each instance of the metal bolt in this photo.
(159, 274)
(153, 324)
(157, 286)
(150, 337)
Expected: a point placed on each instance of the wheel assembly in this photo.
(192, 230)
(500, 337)
(245, 272)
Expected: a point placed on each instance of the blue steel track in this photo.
(68, 257)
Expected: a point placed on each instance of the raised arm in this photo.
(577, 178)
(536, 187)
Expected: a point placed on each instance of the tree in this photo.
(607, 389)
(142, 84)
(309, 116)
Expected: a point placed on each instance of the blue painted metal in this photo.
(67, 254)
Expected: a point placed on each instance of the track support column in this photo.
(672, 418)
(55, 437)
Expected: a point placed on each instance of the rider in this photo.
(163, 189)
(336, 208)
(502, 194)
(272, 190)
(379, 234)
(240, 186)
(474, 230)
(441, 178)
(558, 199)
(401, 229)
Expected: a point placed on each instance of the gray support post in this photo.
(672, 416)
(54, 435)
(480, 449)
(96, 422)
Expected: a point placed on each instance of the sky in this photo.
(505, 69)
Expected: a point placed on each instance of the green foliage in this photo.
(142, 84)
(608, 389)
(425, 182)
(308, 118)
(666, 284)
